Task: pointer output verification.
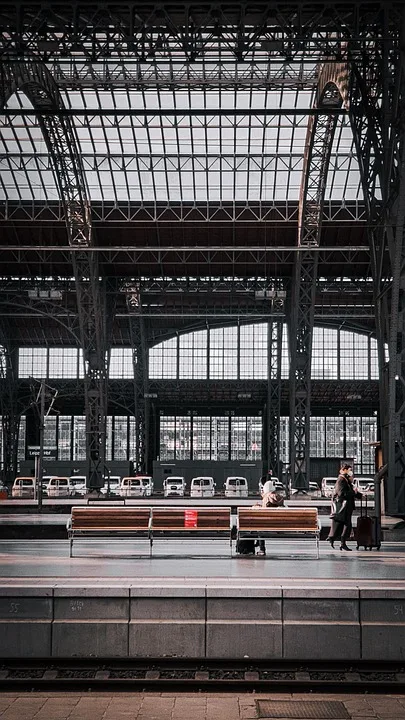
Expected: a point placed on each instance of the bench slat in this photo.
(278, 519)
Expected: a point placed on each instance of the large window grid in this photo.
(201, 438)
(324, 361)
(223, 352)
(218, 354)
(253, 352)
(194, 437)
(65, 437)
(62, 363)
(241, 353)
(193, 355)
(240, 438)
(121, 363)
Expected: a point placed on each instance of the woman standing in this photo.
(345, 494)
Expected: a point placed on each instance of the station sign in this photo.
(50, 452)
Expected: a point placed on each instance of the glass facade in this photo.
(228, 353)
(240, 438)
(240, 353)
(195, 437)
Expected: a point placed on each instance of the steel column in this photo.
(141, 379)
(274, 347)
(331, 94)
(377, 111)
(35, 80)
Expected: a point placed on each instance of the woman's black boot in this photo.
(332, 542)
(345, 547)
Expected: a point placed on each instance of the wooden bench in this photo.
(110, 521)
(265, 523)
(213, 523)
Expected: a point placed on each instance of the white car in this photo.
(147, 482)
(137, 486)
(314, 490)
(174, 486)
(365, 486)
(23, 487)
(328, 486)
(79, 485)
(114, 482)
(202, 486)
(236, 486)
(59, 487)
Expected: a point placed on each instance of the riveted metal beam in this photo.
(331, 95)
(37, 83)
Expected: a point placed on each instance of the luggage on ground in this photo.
(245, 547)
(368, 532)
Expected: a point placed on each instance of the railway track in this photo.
(194, 676)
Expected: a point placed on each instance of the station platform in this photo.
(194, 600)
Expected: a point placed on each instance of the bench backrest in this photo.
(179, 519)
(97, 518)
(294, 519)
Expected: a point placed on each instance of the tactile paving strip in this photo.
(302, 710)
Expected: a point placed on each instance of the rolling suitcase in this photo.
(368, 532)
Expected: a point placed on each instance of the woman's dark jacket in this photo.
(344, 490)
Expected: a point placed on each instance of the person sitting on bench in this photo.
(269, 499)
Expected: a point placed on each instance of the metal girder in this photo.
(273, 405)
(141, 378)
(181, 117)
(377, 111)
(185, 30)
(273, 213)
(38, 84)
(134, 74)
(331, 94)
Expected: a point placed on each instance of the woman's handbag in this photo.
(338, 510)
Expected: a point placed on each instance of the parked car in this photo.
(44, 483)
(174, 486)
(147, 482)
(236, 486)
(137, 486)
(328, 486)
(23, 487)
(79, 485)
(59, 487)
(365, 486)
(314, 490)
(202, 486)
(369, 491)
(114, 482)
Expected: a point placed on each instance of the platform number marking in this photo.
(398, 610)
(76, 605)
(14, 607)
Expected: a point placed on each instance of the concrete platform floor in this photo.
(287, 563)
(210, 706)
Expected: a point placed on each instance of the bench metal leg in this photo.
(317, 547)
(150, 546)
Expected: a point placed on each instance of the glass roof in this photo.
(187, 145)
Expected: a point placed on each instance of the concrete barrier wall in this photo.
(202, 621)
